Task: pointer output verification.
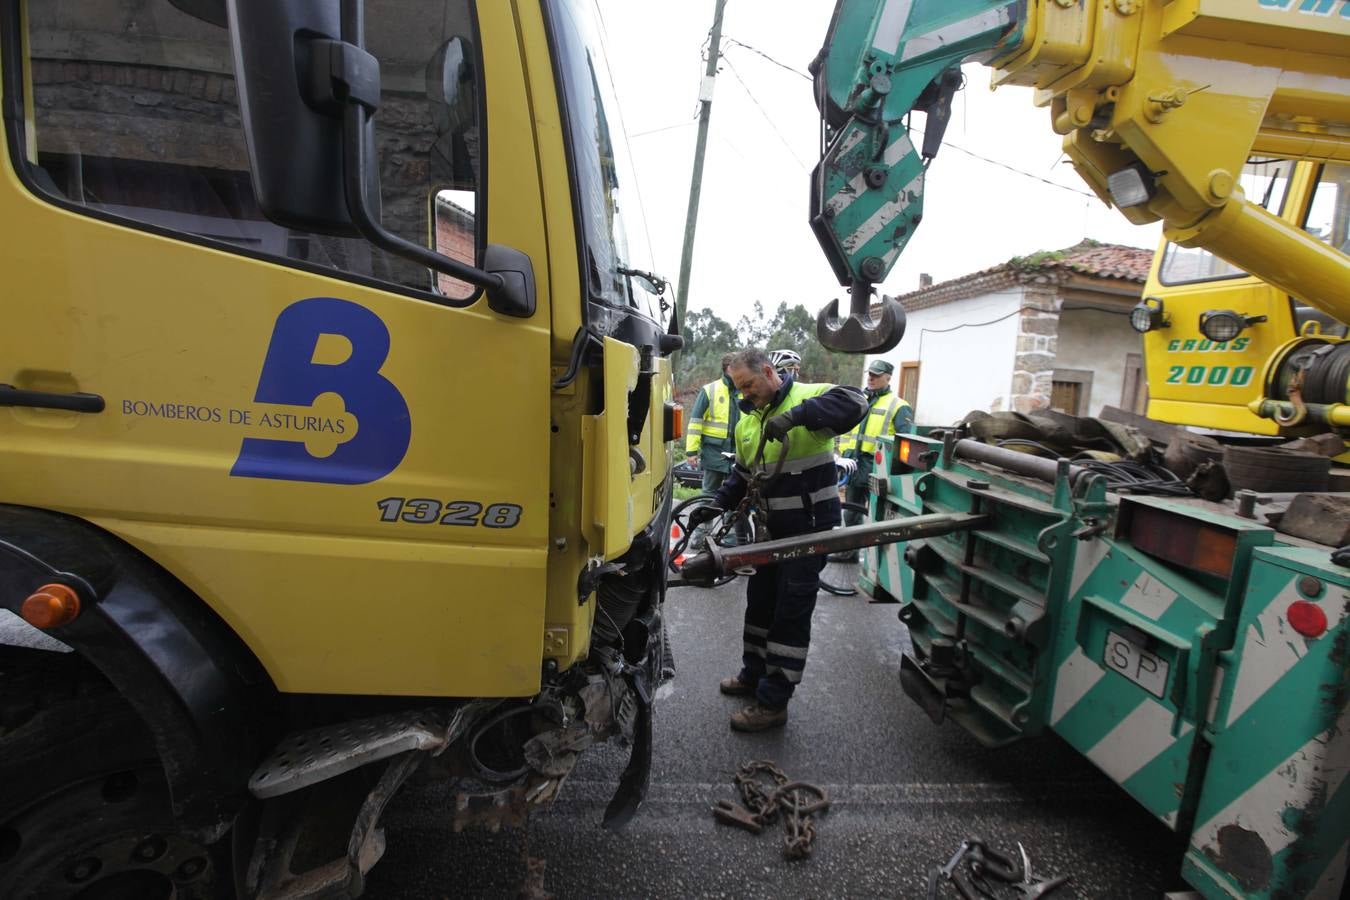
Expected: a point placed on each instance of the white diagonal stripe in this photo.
(1077, 675)
(890, 25)
(893, 563)
(857, 185)
(1270, 648)
(1136, 741)
(1293, 784)
(884, 215)
(939, 38)
(1149, 597)
(1085, 561)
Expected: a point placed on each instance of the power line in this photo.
(955, 147)
(994, 162)
(767, 118)
(759, 52)
(664, 128)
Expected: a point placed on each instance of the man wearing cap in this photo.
(887, 414)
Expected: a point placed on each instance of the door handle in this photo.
(75, 402)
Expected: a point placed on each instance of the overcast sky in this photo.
(753, 241)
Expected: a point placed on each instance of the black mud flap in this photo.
(633, 784)
(921, 690)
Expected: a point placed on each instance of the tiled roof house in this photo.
(1049, 330)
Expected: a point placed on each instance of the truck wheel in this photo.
(84, 804)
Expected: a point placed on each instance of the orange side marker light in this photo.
(51, 606)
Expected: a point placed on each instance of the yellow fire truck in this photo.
(336, 432)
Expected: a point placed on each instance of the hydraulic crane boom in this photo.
(1160, 102)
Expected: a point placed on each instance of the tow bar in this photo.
(703, 569)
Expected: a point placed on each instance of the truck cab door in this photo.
(342, 453)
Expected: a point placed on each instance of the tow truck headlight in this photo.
(1148, 315)
(1131, 187)
(1222, 325)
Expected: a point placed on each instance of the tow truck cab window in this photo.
(1264, 181)
(1329, 221)
(132, 113)
(609, 208)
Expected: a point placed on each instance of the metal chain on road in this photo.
(766, 793)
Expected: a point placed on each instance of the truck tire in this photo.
(1273, 470)
(84, 804)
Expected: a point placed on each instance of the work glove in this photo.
(846, 465)
(777, 428)
(703, 514)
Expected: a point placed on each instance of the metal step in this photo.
(309, 757)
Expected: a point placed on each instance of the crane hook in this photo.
(862, 330)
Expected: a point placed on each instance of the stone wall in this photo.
(1037, 345)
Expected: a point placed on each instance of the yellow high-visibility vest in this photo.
(880, 420)
(715, 421)
(806, 449)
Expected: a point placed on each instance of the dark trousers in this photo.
(713, 480)
(857, 491)
(779, 602)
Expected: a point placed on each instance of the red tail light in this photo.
(1308, 619)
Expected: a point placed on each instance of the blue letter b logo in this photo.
(291, 377)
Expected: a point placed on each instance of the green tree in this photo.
(708, 336)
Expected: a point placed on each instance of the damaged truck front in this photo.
(338, 433)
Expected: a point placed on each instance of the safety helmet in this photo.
(785, 359)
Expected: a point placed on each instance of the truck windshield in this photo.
(1265, 182)
(1329, 221)
(608, 204)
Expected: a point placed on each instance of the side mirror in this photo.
(516, 296)
(307, 94)
(294, 146)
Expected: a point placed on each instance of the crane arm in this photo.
(1160, 102)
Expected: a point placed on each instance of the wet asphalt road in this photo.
(905, 793)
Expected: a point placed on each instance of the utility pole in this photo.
(705, 95)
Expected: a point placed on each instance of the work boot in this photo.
(756, 717)
(734, 687)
